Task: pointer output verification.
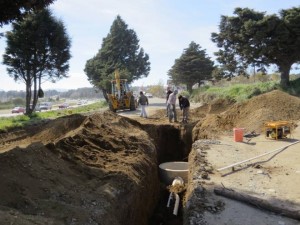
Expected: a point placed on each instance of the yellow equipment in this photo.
(277, 129)
(121, 96)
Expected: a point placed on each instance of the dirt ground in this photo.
(274, 178)
(102, 168)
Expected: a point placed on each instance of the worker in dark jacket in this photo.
(184, 105)
(143, 101)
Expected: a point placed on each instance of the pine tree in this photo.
(38, 48)
(253, 38)
(11, 10)
(120, 50)
(193, 67)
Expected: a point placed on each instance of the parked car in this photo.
(45, 106)
(18, 109)
(63, 105)
(82, 102)
(37, 107)
(149, 95)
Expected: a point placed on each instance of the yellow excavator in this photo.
(121, 97)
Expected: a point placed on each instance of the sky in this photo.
(164, 29)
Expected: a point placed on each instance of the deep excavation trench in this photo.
(96, 169)
(173, 143)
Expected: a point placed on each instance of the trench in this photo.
(173, 143)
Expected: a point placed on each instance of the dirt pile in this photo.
(251, 115)
(102, 168)
(78, 170)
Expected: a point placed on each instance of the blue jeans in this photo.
(172, 112)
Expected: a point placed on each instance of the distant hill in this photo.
(80, 93)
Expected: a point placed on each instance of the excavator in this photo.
(121, 96)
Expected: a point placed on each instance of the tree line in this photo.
(249, 39)
(38, 48)
(54, 95)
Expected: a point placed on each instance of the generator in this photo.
(277, 129)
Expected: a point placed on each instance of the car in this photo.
(18, 109)
(37, 107)
(63, 106)
(45, 106)
(82, 102)
(149, 95)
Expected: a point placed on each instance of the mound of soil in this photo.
(76, 170)
(251, 115)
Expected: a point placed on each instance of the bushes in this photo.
(185, 94)
(294, 88)
(235, 92)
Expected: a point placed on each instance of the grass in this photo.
(242, 92)
(236, 92)
(23, 120)
(18, 121)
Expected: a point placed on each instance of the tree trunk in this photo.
(278, 206)
(285, 75)
(189, 88)
(104, 94)
(34, 101)
(28, 95)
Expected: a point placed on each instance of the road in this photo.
(7, 112)
(154, 104)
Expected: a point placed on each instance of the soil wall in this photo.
(98, 169)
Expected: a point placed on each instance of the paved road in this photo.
(154, 104)
(7, 112)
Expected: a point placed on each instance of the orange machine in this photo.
(277, 129)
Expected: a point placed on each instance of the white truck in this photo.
(46, 106)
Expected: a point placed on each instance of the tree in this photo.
(12, 10)
(120, 50)
(38, 48)
(255, 39)
(193, 67)
(218, 73)
(158, 89)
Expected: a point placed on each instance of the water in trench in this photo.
(173, 144)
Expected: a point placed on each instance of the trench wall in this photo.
(173, 143)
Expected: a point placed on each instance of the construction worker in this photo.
(168, 94)
(143, 101)
(184, 105)
(172, 106)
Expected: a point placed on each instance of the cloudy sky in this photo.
(164, 27)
